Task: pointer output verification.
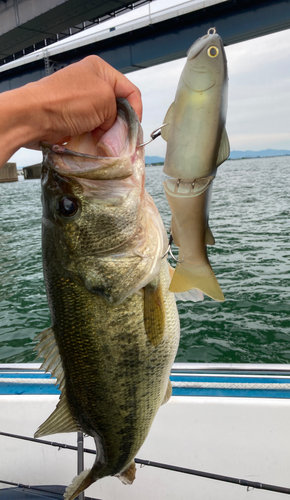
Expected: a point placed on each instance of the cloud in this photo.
(265, 141)
(259, 93)
(249, 56)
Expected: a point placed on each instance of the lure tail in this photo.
(187, 276)
(189, 204)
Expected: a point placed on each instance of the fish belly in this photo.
(115, 376)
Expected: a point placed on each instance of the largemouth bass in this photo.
(115, 327)
(197, 144)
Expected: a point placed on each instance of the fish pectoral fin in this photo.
(47, 348)
(224, 150)
(60, 420)
(129, 474)
(209, 237)
(171, 271)
(154, 313)
(167, 119)
(79, 484)
(168, 393)
(187, 276)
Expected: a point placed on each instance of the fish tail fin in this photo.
(187, 276)
(128, 475)
(193, 295)
(79, 484)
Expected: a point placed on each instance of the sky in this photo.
(259, 92)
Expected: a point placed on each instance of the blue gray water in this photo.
(251, 258)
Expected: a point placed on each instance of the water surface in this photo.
(249, 218)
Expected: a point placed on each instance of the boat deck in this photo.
(222, 420)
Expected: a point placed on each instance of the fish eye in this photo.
(67, 207)
(212, 51)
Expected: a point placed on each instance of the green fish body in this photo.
(115, 327)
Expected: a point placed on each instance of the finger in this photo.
(119, 82)
(34, 147)
(63, 140)
(126, 89)
(135, 101)
(105, 106)
(97, 134)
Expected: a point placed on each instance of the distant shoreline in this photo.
(257, 157)
(154, 164)
(160, 164)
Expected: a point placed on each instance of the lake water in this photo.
(250, 220)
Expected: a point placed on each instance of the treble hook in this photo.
(156, 133)
(169, 251)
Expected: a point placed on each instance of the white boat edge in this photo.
(181, 366)
(228, 419)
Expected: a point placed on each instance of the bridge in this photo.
(27, 22)
(151, 39)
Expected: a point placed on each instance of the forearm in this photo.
(17, 113)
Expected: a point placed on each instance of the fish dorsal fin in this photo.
(224, 150)
(61, 419)
(167, 119)
(209, 237)
(47, 348)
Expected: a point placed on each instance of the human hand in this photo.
(79, 98)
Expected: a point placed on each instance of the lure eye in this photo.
(212, 51)
(67, 207)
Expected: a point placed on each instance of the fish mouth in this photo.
(82, 157)
(202, 69)
(200, 79)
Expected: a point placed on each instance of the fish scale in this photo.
(115, 326)
(87, 355)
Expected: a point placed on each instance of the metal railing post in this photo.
(80, 454)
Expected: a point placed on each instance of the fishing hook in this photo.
(169, 251)
(156, 133)
(169, 246)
